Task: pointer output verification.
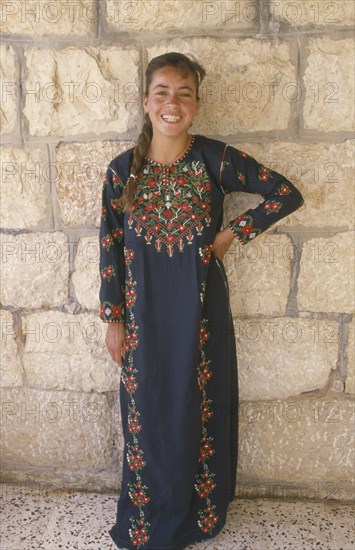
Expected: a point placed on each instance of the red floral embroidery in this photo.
(247, 229)
(116, 312)
(116, 205)
(108, 272)
(264, 173)
(135, 458)
(205, 484)
(243, 228)
(133, 420)
(206, 412)
(205, 253)
(107, 242)
(171, 204)
(208, 519)
(129, 380)
(117, 234)
(272, 206)
(204, 479)
(110, 312)
(284, 190)
(206, 449)
(138, 492)
(205, 374)
(131, 336)
(130, 295)
(139, 532)
(116, 180)
(241, 178)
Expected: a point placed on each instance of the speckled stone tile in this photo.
(34, 519)
(24, 514)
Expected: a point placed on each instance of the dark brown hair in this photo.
(186, 66)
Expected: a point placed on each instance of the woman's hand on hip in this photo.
(222, 242)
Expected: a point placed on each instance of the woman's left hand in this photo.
(222, 242)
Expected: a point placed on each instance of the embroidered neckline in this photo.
(193, 137)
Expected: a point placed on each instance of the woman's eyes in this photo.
(183, 94)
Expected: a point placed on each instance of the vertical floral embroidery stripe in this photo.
(204, 480)
(138, 492)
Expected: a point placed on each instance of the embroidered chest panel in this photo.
(172, 204)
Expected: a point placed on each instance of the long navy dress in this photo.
(178, 387)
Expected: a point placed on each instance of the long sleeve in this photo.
(241, 172)
(112, 265)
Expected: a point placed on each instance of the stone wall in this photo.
(279, 87)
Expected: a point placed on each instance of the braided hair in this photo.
(187, 66)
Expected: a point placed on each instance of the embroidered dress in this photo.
(178, 387)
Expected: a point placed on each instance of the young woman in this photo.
(164, 295)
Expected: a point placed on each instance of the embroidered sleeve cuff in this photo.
(112, 313)
(243, 228)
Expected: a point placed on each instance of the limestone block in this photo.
(326, 279)
(259, 275)
(248, 86)
(10, 364)
(34, 270)
(282, 357)
(157, 15)
(49, 429)
(25, 184)
(10, 89)
(350, 351)
(339, 13)
(81, 168)
(79, 91)
(47, 480)
(67, 352)
(86, 275)
(329, 86)
(306, 439)
(48, 18)
(323, 173)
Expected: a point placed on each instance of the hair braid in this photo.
(139, 152)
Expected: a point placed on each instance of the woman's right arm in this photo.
(112, 266)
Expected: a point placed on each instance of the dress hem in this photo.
(125, 545)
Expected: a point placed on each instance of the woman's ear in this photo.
(145, 103)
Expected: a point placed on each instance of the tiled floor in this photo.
(34, 519)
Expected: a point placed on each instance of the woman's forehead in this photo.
(168, 75)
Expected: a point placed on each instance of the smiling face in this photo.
(171, 102)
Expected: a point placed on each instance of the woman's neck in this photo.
(167, 150)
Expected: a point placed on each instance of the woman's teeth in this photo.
(168, 118)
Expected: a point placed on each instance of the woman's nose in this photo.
(173, 99)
